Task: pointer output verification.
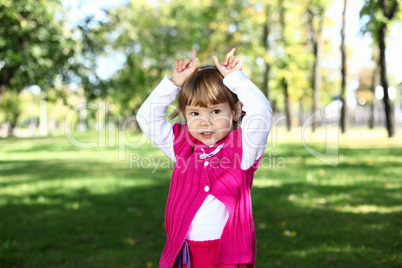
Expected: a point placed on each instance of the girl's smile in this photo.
(207, 135)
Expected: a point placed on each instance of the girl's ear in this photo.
(238, 111)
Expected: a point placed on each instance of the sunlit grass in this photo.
(62, 206)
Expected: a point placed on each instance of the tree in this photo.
(290, 71)
(269, 9)
(34, 45)
(10, 105)
(344, 111)
(284, 64)
(373, 104)
(380, 14)
(39, 46)
(151, 37)
(315, 13)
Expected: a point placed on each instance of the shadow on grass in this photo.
(325, 236)
(124, 228)
(56, 228)
(51, 170)
(299, 151)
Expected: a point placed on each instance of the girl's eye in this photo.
(216, 111)
(194, 113)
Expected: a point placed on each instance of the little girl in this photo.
(208, 219)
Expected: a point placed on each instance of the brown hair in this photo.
(205, 87)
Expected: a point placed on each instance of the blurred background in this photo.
(73, 75)
(301, 54)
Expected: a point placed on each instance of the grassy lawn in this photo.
(62, 206)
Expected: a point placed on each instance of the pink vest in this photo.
(220, 175)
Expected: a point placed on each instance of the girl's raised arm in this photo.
(152, 112)
(256, 124)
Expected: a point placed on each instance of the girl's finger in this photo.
(176, 64)
(235, 61)
(216, 61)
(225, 61)
(181, 64)
(231, 52)
(186, 62)
(193, 65)
(218, 64)
(194, 54)
(232, 62)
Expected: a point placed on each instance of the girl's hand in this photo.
(183, 68)
(230, 64)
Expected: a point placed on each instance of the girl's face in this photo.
(210, 125)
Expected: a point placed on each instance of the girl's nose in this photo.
(205, 121)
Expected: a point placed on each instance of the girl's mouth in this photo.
(206, 134)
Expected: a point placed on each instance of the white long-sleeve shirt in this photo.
(211, 218)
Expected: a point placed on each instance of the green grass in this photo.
(61, 206)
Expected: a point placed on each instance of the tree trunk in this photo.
(316, 41)
(284, 65)
(374, 83)
(267, 30)
(317, 75)
(301, 117)
(344, 112)
(389, 109)
(287, 104)
(12, 120)
(11, 129)
(273, 106)
(5, 79)
(2, 89)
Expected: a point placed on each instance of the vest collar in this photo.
(207, 148)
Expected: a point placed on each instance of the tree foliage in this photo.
(378, 13)
(34, 44)
(153, 35)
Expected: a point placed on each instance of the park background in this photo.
(81, 186)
